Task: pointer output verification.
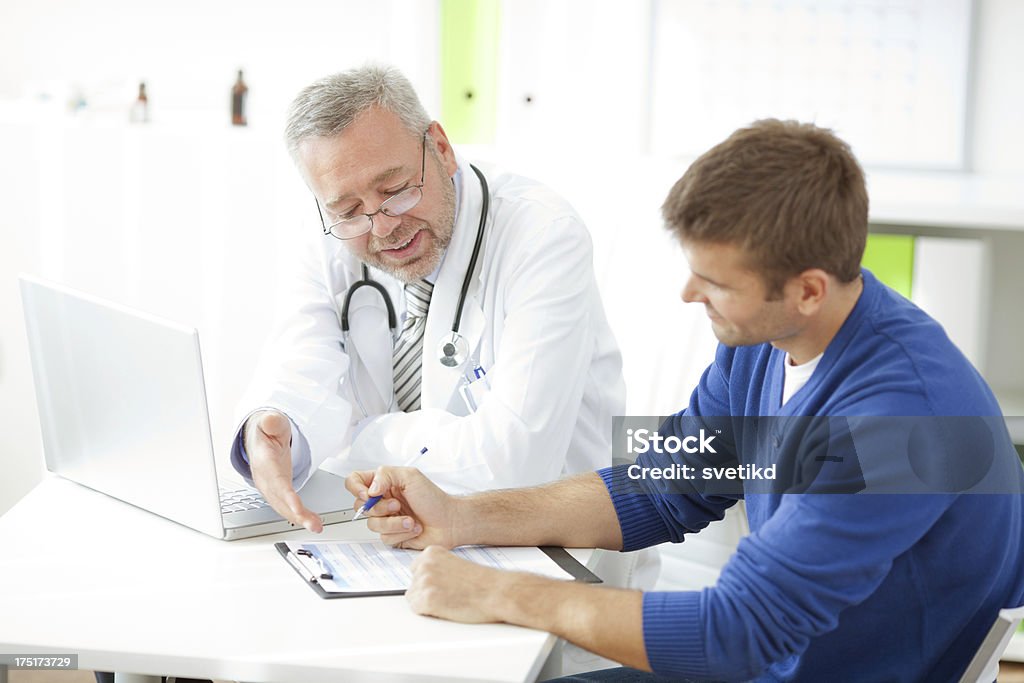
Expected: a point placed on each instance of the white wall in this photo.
(996, 130)
(186, 217)
(20, 444)
(188, 51)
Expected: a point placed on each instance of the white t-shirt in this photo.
(797, 375)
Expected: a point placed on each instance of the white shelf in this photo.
(1012, 402)
(1015, 650)
(946, 200)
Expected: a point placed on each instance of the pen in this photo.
(373, 500)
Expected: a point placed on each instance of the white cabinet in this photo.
(573, 76)
(985, 210)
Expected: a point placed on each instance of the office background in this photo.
(193, 219)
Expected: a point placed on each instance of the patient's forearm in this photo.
(575, 513)
(607, 621)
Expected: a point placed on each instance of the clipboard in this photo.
(312, 572)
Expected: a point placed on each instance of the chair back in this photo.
(984, 666)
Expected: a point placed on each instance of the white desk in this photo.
(231, 610)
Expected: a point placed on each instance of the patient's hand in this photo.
(450, 587)
(413, 513)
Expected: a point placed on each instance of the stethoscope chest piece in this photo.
(453, 351)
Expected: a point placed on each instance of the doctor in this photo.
(447, 314)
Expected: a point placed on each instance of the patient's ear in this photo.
(809, 290)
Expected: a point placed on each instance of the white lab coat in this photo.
(533, 319)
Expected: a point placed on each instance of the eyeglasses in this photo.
(395, 205)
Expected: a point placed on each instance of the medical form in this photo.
(372, 567)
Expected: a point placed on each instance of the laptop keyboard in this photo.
(240, 500)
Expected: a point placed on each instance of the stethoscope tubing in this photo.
(484, 208)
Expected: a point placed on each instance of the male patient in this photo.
(898, 582)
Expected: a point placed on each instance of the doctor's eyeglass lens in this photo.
(395, 205)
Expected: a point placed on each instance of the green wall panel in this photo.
(891, 259)
(469, 69)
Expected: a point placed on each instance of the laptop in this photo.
(122, 406)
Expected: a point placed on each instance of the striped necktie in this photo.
(408, 357)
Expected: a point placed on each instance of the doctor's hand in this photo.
(414, 512)
(268, 438)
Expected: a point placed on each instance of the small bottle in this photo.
(140, 109)
(239, 94)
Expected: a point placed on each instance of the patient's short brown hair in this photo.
(790, 194)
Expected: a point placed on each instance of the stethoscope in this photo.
(453, 349)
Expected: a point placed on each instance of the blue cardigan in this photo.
(837, 586)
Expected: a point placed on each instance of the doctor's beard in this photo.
(437, 234)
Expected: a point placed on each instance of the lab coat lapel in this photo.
(439, 382)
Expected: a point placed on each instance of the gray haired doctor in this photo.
(448, 312)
